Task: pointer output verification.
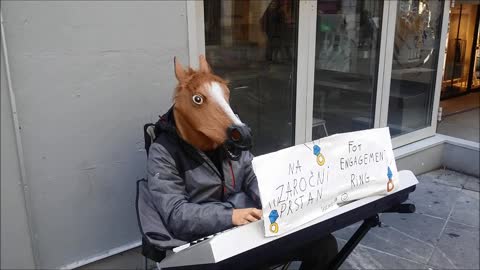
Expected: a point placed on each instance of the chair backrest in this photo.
(148, 135)
(145, 214)
(149, 250)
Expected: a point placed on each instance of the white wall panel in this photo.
(87, 76)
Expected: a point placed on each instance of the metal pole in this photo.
(455, 51)
(472, 54)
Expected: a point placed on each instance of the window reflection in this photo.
(253, 44)
(414, 67)
(346, 65)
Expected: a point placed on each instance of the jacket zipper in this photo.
(231, 172)
(193, 151)
(215, 170)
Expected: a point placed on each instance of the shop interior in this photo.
(461, 77)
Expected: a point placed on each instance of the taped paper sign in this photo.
(303, 182)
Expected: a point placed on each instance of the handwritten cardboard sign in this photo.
(303, 182)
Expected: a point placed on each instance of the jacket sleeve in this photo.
(185, 220)
(250, 184)
(242, 200)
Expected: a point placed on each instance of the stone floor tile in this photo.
(294, 266)
(365, 258)
(345, 234)
(130, 259)
(434, 199)
(458, 248)
(463, 125)
(443, 177)
(472, 184)
(397, 242)
(410, 236)
(466, 209)
(415, 225)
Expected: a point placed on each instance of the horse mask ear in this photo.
(204, 67)
(179, 71)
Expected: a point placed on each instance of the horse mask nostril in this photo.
(240, 134)
(238, 140)
(235, 135)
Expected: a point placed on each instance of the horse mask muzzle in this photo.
(238, 139)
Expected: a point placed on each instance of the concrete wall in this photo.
(419, 162)
(87, 76)
(463, 157)
(439, 151)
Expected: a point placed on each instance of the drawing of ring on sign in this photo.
(390, 184)
(273, 216)
(320, 157)
(274, 227)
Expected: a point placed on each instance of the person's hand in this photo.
(245, 215)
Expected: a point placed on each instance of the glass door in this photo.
(462, 50)
(347, 60)
(253, 44)
(415, 81)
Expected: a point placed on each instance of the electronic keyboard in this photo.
(241, 247)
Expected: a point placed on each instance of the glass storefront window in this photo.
(346, 65)
(414, 65)
(253, 44)
(459, 75)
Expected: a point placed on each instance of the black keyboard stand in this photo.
(367, 224)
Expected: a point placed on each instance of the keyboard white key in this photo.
(182, 247)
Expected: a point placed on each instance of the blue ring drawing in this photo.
(320, 157)
(273, 216)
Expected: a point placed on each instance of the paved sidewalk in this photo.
(465, 125)
(442, 234)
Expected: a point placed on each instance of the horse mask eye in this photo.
(197, 99)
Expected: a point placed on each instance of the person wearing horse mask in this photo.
(200, 175)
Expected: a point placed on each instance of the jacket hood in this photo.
(166, 123)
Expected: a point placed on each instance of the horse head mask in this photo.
(202, 112)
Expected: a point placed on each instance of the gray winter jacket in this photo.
(186, 197)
